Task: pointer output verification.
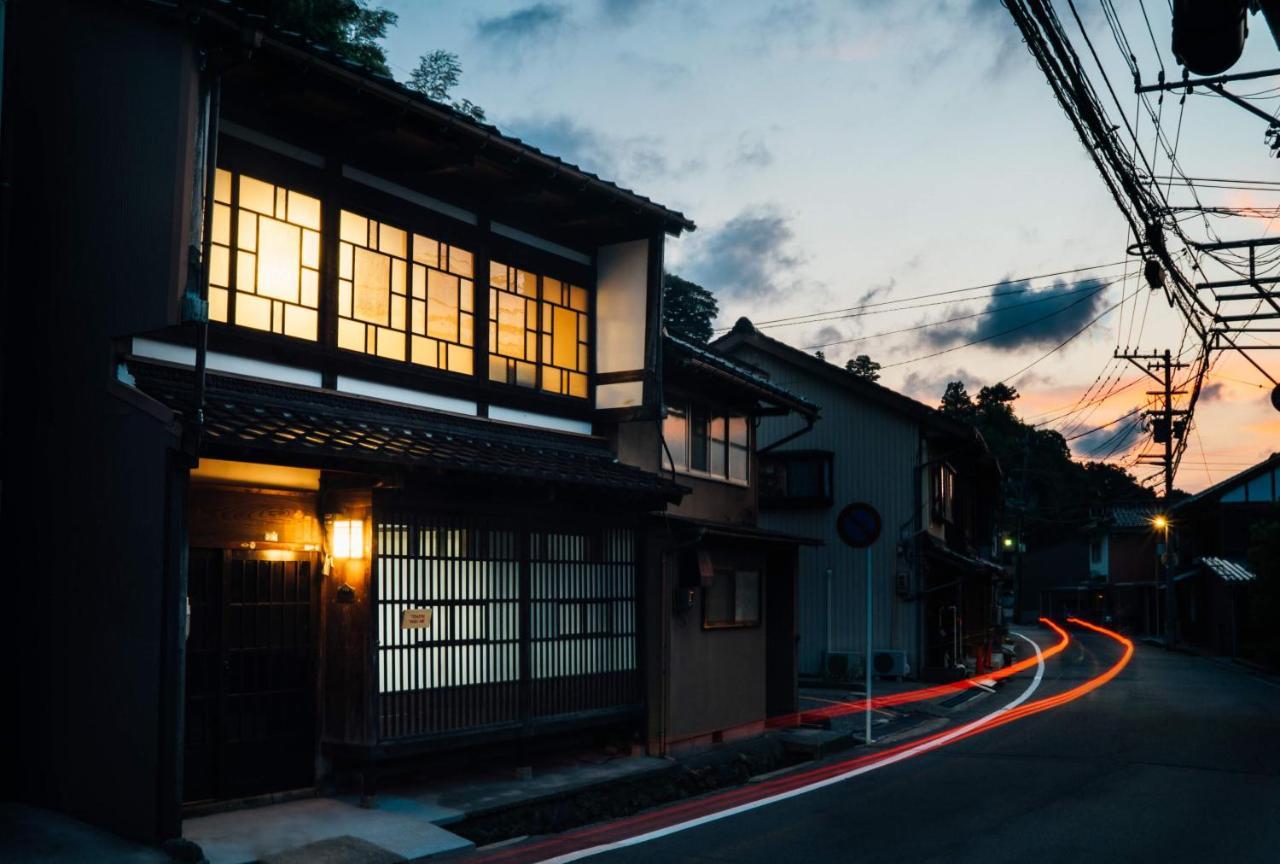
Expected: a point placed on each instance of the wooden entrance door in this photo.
(250, 674)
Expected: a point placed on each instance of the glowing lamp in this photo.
(1008, 542)
(1160, 522)
(348, 538)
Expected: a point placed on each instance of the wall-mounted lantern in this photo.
(346, 538)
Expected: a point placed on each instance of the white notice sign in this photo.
(415, 619)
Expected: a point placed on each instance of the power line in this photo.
(991, 336)
(958, 317)
(1006, 281)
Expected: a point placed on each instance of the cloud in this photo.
(538, 19)
(1212, 392)
(752, 152)
(750, 257)
(1033, 318)
(622, 11)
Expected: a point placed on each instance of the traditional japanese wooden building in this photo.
(312, 398)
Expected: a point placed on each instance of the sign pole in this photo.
(867, 665)
(859, 526)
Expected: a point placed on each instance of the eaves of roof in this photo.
(681, 350)
(306, 425)
(228, 14)
(1217, 490)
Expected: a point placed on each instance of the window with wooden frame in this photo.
(539, 331)
(700, 441)
(796, 478)
(732, 599)
(404, 296)
(264, 263)
(942, 492)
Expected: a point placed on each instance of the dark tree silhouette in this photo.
(687, 309)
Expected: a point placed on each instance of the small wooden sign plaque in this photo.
(415, 619)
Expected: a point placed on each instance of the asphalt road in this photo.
(1177, 759)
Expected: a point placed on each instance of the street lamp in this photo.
(1161, 523)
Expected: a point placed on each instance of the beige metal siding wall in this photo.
(876, 452)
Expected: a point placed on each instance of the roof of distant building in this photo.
(1216, 491)
(721, 367)
(745, 332)
(1224, 568)
(1133, 517)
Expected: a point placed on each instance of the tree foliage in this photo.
(1056, 493)
(863, 367)
(350, 28)
(435, 76)
(687, 309)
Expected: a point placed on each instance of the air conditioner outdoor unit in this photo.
(842, 665)
(890, 664)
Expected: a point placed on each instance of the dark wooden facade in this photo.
(125, 716)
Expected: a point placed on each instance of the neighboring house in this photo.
(1123, 555)
(937, 489)
(1107, 572)
(1210, 535)
(370, 511)
(722, 617)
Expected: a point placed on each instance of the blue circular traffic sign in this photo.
(858, 525)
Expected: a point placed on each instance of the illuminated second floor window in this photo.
(539, 332)
(404, 296)
(264, 264)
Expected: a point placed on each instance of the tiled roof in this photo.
(1223, 568)
(1132, 517)
(244, 414)
(297, 42)
(681, 349)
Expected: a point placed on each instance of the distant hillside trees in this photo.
(1056, 493)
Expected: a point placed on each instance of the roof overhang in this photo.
(275, 79)
(256, 420)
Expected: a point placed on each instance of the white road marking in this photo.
(817, 784)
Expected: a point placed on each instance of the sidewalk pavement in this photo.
(406, 822)
(409, 821)
(33, 834)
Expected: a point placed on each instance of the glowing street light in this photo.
(1160, 522)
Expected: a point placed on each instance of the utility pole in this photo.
(1165, 429)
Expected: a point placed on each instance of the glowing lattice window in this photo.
(539, 331)
(564, 338)
(443, 318)
(404, 296)
(264, 264)
(513, 325)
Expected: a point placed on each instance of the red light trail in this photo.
(600, 838)
(922, 694)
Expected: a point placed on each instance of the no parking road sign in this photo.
(858, 525)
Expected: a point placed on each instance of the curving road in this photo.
(1176, 759)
